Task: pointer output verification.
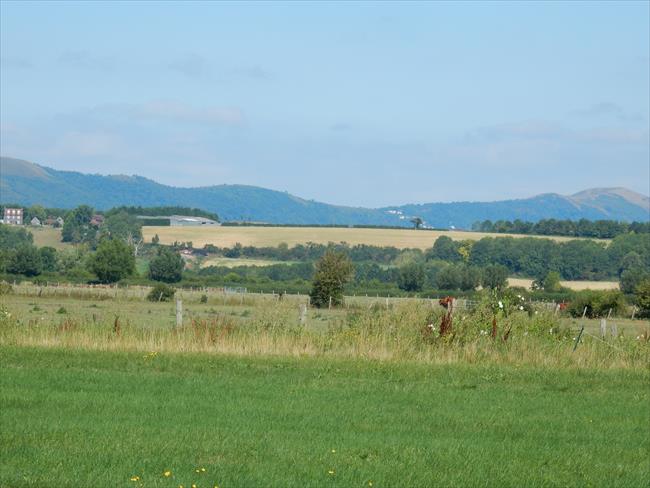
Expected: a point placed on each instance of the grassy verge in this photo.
(81, 418)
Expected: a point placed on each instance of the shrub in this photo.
(333, 271)
(25, 260)
(411, 277)
(161, 293)
(642, 292)
(597, 303)
(5, 288)
(167, 266)
(113, 261)
(495, 276)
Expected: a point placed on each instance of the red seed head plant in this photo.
(446, 322)
(117, 328)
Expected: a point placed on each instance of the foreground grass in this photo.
(81, 418)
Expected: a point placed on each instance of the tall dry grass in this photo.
(405, 332)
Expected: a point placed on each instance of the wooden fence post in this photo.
(179, 312)
(303, 314)
(584, 312)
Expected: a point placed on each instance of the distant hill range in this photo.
(27, 183)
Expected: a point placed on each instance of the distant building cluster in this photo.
(13, 216)
(16, 216)
(181, 220)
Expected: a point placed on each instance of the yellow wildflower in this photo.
(167, 474)
(333, 451)
(135, 478)
(331, 471)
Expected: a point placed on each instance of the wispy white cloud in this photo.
(529, 129)
(254, 72)
(181, 112)
(86, 144)
(609, 110)
(548, 131)
(191, 65)
(15, 62)
(86, 60)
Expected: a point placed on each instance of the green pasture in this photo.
(78, 418)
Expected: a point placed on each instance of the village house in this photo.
(35, 222)
(13, 216)
(97, 220)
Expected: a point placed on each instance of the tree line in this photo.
(600, 229)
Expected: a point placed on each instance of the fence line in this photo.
(227, 295)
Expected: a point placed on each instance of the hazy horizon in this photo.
(359, 104)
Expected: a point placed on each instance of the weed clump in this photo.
(161, 293)
(6, 288)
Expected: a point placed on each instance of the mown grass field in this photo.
(234, 262)
(226, 236)
(572, 285)
(48, 236)
(243, 395)
(85, 418)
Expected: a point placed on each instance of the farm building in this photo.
(35, 222)
(182, 220)
(13, 216)
(176, 220)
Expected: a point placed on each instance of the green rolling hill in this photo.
(27, 183)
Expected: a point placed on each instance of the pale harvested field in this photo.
(272, 236)
(48, 236)
(573, 285)
(234, 262)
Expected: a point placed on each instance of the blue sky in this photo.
(365, 104)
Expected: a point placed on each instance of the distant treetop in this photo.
(600, 229)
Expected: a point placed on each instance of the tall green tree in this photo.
(113, 261)
(76, 226)
(333, 271)
(25, 260)
(411, 277)
(495, 277)
(642, 292)
(417, 222)
(167, 266)
(445, 249)
(122, 225)
(49, 258)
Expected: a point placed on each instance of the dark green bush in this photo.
(161, 293)
(597, 303)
